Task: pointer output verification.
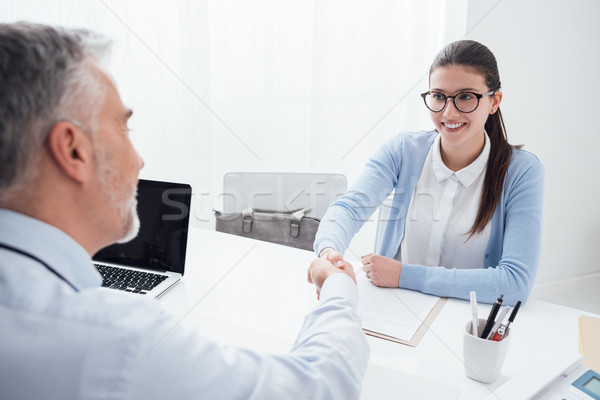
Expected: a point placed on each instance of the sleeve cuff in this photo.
(323, 244)
(412, 276)
(339, 285)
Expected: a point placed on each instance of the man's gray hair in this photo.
(45, 78)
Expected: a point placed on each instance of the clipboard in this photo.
(418, 335)
(396, 314)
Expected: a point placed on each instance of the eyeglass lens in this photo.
(465, 102)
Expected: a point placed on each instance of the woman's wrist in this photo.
(325, 251)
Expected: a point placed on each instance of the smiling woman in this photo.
(466, 213)
(471, 64)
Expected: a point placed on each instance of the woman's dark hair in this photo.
(476, 56)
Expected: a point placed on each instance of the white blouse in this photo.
(441, 212)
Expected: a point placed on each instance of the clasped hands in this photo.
(382, 271)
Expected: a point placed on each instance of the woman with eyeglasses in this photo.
(466, 206)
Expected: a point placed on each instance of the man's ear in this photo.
(71, 149)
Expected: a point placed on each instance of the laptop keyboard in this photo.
(128, 280)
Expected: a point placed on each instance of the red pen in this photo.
(502, 330)
(499, 333)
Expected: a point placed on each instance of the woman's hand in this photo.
(382, 271)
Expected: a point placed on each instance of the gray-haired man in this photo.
(67, 188)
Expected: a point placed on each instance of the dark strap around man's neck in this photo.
(48, 267)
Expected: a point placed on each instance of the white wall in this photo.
(219, 86)
(549, 59)
(291, 86)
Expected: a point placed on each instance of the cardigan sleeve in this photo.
(349, 212)
(511, 273)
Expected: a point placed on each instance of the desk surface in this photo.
(255, 294)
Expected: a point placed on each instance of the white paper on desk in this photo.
(392, 311)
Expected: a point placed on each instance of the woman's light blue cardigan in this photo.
(513, 251)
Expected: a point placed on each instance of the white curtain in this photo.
(264, 85)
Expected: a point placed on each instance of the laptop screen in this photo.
(164, 212)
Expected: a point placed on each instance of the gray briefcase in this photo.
(289, 228)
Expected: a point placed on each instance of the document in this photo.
(400, 315)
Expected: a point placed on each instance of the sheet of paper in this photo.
(392, 311)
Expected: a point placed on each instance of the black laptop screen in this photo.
(164, 212)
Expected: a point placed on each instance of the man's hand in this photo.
(382, 271)
(333, 256)
(321, 269)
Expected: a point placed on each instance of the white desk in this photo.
(255, 294)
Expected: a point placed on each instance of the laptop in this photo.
(154, 261)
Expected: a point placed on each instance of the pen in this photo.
(501, 316)
(474, 313)
(492, 317)
(502, 330)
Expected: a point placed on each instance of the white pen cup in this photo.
(483, 358)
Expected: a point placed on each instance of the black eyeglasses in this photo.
(465, 102)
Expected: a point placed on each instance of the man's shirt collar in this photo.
(50, 244)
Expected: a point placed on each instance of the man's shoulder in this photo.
(49, 301)
(96, 334)
(94, 310)
(113, 309)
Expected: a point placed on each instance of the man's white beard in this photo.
(133, 221)
(127, 210)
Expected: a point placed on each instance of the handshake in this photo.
(328, 263)
(382, 271)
